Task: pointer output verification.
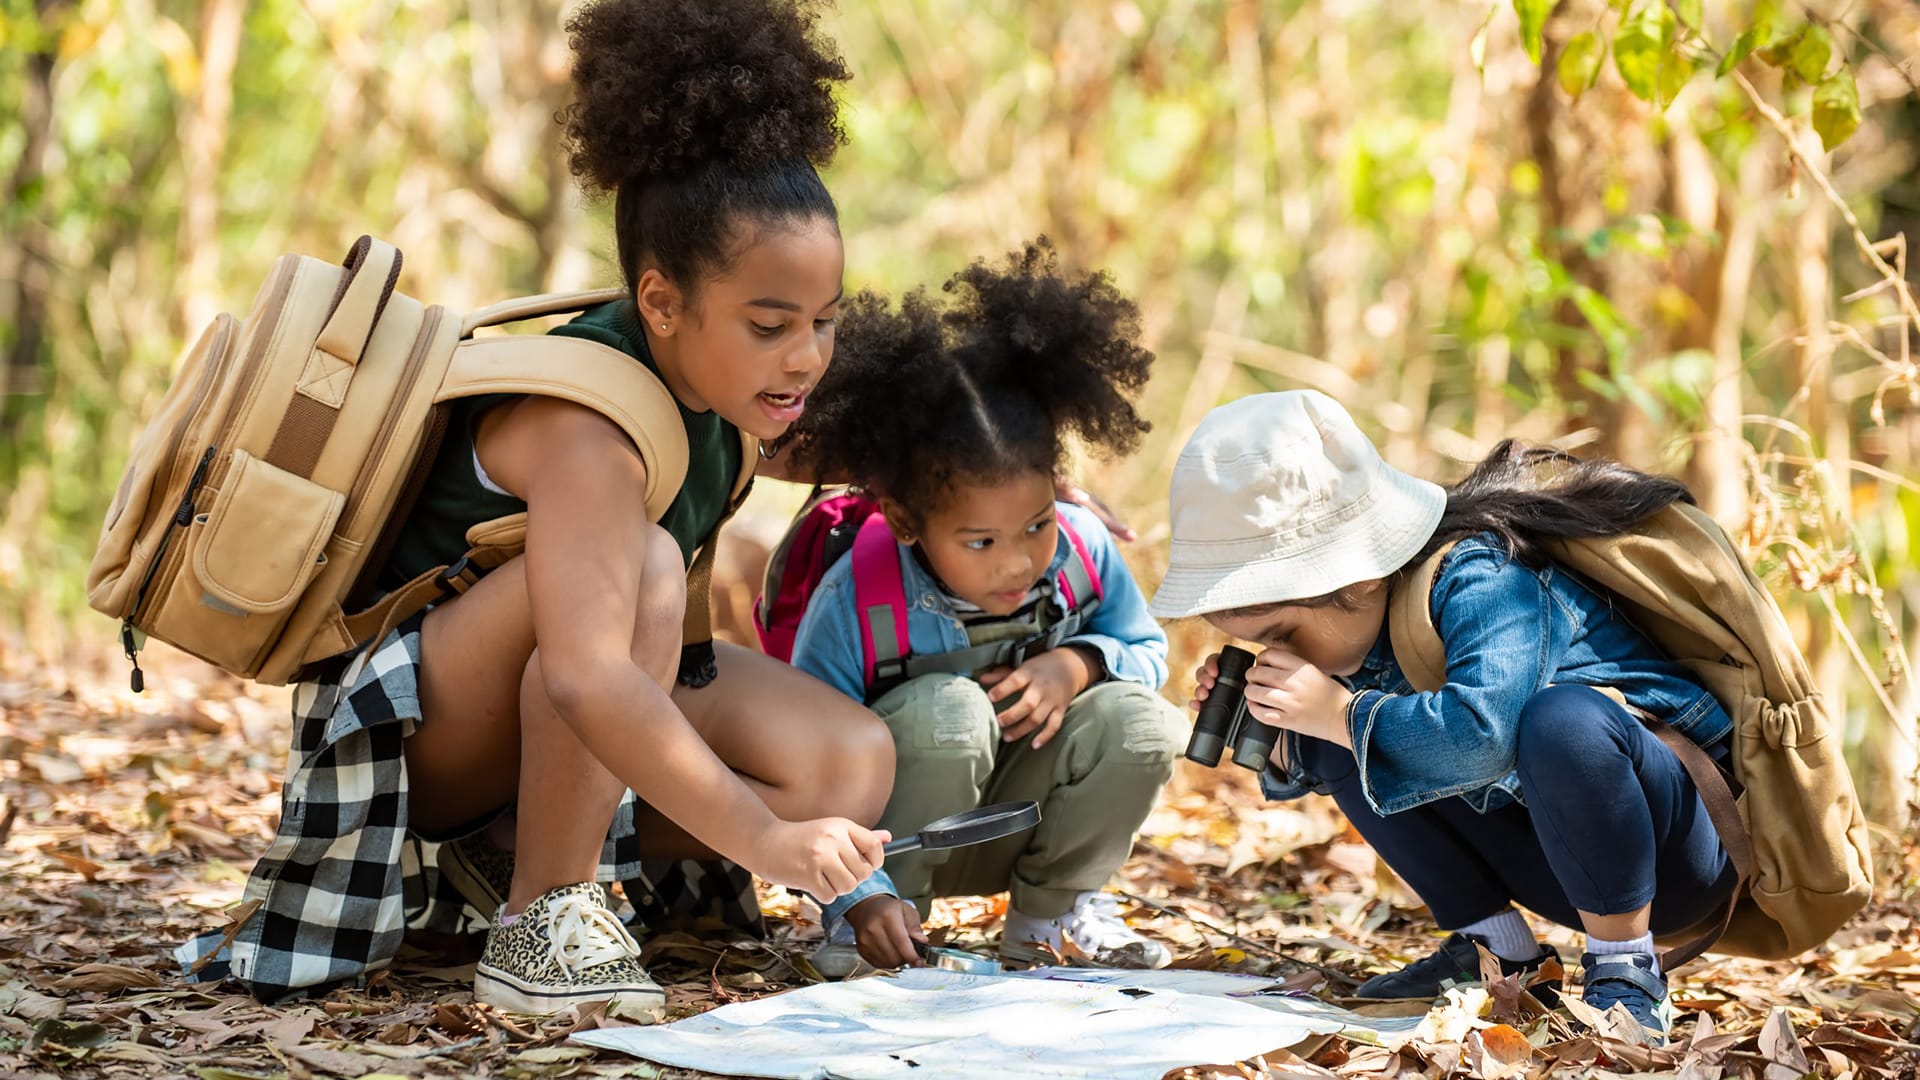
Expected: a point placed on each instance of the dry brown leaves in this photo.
(127, 824)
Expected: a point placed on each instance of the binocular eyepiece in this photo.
(1224, 722)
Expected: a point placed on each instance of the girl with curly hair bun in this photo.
(1030, 665)
(554, 734)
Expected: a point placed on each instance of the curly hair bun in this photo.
(1072, 341)
(980, 381)
(663, 88)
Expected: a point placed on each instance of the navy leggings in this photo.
(1611, 822)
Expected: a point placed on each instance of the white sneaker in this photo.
(839, 958)
(1092, 933)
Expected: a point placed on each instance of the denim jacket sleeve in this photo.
(1128, 638)
(1504, 633)
(827, 645)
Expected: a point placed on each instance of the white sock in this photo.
(1023, 929)
(1506, 935)
(1641, 944)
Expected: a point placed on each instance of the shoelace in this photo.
(582, 934)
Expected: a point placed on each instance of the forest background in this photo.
(1665, 233)
(1613, 225)
(1667, 230)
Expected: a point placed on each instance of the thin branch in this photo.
(1868, 249)
(1243, 942)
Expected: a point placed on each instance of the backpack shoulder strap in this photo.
(879, 595)
(1079, 579)
(598, 376)
(533, 307)
(1417, 647)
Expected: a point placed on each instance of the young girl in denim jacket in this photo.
(1519, 782)
(955, 418)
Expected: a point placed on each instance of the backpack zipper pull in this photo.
(139, 680)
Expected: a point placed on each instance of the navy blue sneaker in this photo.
(1632, 981)
(1457, 963)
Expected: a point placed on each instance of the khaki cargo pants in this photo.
(1095, 781)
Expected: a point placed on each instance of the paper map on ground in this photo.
(931, 1024)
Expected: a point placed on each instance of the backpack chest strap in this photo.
(880, 596)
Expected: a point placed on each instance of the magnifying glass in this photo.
(976, 826)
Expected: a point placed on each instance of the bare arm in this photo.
(586, 553)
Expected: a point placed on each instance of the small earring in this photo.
(663, 328)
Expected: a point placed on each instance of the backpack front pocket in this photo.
(250, 558)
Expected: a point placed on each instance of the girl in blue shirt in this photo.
(1528, 778)
(955, 415)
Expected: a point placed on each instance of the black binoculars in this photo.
(1224, 722)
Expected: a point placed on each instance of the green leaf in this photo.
(1778, 51)
(1811, 54)
(1638, 50)
(1742, 48)
(1675, 69)
(1766, 22)
(1690, 13)
(1533, 20)
(1477, 48)
(1836, 108)
(1580, 62)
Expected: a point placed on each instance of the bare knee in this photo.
(661, 607)
(851, 770)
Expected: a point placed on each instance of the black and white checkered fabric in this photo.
(344, 880)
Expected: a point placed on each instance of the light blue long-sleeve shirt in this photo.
(828, 645)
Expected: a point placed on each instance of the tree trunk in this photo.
(1717, 471)
(203, 145)
(24, 255)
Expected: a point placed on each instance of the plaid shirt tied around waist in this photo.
(343, 880)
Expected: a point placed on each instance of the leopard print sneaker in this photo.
(565, 949)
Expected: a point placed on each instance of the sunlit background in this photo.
(1392, 202)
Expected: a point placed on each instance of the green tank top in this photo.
(455, 498)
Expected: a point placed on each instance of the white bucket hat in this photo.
(1280, 497)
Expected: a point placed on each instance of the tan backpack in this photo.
(1795, 832)
(261, 502)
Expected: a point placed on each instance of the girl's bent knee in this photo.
(857, 769)
(663, 581)
(1134, 724)
(940, 716)
(1565, 723)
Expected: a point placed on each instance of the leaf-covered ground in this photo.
(127, 823)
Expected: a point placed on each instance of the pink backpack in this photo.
(845, 521)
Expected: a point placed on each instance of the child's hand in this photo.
(885, 928)
(1203, 679)
(1286, 691)
(826, 857)
(1047, 684)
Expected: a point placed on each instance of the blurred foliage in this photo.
(1567, 221)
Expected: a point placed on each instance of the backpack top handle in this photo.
(373, 268)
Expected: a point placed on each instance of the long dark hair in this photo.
(1524, 495)
(1527, 494)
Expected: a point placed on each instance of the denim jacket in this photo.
(1510, 631)
(828, 645)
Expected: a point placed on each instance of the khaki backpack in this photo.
(1795, 833)
(261, 502)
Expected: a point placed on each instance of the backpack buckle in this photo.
(457, 578)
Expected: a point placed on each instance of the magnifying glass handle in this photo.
(905, 843)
